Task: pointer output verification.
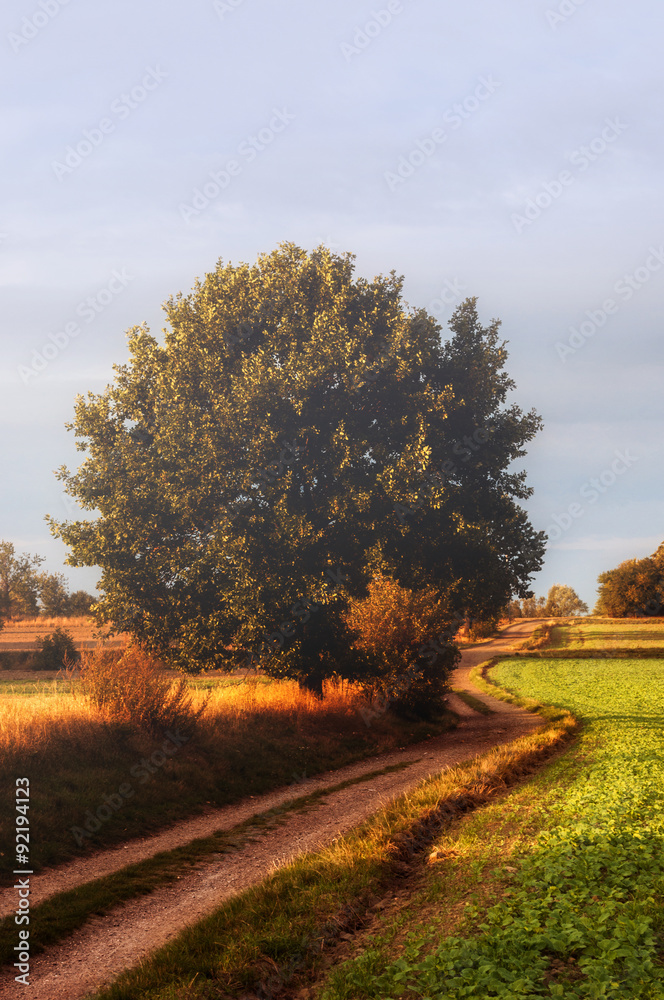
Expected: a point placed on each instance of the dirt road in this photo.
(107, 945)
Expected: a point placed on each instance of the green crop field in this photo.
(566, 875)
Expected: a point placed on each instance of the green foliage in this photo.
(19, 583)
(295, 423)
(405, 673)
(55, 601)
(53, 595)
(563, 602)
(56, 651)
(80, 603)
(533, 607)
(583, 918)
(484, 629)
(635, 588)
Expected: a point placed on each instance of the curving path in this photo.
(107, 945)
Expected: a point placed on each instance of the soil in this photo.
(107, 945)
(22, 636)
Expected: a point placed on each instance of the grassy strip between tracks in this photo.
(279, 931)
(566, 878)
(60, 915)
(473, 702)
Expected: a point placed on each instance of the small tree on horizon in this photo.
(563, 602)
(19, 583)
(53, 595)
(533, 607)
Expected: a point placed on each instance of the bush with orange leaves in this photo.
(133, 688)
(406, 636)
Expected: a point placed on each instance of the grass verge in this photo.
(475, 703)
(541, 637)
(278, 931)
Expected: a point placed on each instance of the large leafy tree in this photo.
(296, 433)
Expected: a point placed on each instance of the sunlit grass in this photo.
(254, 735)
(39, 623)
(578, 906)
(619, 633)
(34, 714)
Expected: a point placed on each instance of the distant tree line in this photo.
(634, 589)
(26, 592)
(561, 602)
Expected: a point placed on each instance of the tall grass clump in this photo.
(134, 689)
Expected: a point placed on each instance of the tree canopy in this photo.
(296, 434)
(19, 583)
(55, 600)
(563, 601)
(25, 592)
(635, 588)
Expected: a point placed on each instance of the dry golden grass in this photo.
(62, 712)
(254, 735)
(40, 623)
(32, 723)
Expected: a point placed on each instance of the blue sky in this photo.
(509, 150)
